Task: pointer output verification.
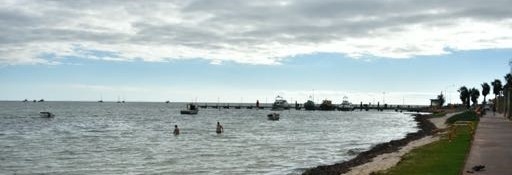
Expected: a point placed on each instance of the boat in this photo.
(327, 105)
(345, 105)
(297, 106)
(273, 116)
(191, 109)
(309, 105)
(46, 114)
(280, 104)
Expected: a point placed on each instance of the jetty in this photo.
(354, 107)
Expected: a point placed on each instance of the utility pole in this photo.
(510, 64)
(383, 98)
(314, 96)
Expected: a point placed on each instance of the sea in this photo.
(137, 138)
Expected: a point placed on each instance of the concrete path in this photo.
(492, 146)
(440, 122)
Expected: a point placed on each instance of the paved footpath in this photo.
(492, 146)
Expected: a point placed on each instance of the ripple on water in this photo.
(136, 138)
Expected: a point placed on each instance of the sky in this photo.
(397, 51)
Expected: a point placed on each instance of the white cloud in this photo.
(249, 32)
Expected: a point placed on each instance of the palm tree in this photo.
(508, 79)
(496, 89)
(474, 93)
(485, 91)
(506, 91)
(464, 95)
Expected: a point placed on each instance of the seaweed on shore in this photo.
(426, 128)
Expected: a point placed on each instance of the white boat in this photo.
(280, 104)
(46, 114)
(345, 105)
(191, 109)
(273, 116)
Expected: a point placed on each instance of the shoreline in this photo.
(426, 128)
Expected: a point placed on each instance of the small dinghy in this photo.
(46, 114)
(273, 116)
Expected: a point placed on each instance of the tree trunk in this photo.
(507, 107)
(509, 103)
(498, 107)
(495, 102)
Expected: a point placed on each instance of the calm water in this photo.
(136, 138)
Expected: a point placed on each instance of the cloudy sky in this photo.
(230, 50)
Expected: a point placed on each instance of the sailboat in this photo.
(101, 99)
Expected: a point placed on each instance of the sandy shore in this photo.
(386, 155)
(388, 160)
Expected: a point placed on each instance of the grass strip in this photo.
(439, 158)
(465, 116)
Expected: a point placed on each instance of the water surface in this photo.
(136, 138)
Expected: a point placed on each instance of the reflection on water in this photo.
(112, 138)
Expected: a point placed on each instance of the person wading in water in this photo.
(176, 130)
(220, 129)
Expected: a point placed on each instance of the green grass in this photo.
(465, 116)
(438, 114)
(439, 158)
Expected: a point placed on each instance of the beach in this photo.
(388, 160)
(386, 155)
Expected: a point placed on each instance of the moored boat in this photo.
(46, 114)
(327, 105)
(345, 105)
(280, 104)
(273, 116)
(309, 105)
(191, 109)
